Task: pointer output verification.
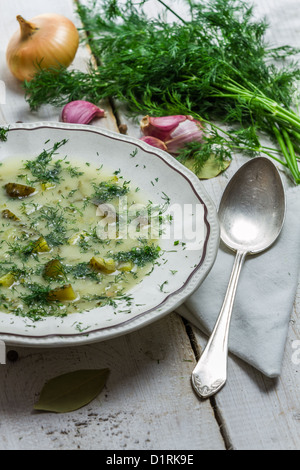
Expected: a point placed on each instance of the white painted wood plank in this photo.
(258, 412)
(148, 402)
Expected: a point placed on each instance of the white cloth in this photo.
(264, 299)
(268, 282)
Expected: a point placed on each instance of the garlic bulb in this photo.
(173, 132)
(48, 40)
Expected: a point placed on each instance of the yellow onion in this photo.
(48, 40)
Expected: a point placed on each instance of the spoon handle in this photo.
(210, 373)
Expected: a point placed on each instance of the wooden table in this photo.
(148, 402)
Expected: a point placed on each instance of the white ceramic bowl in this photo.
(182, 266)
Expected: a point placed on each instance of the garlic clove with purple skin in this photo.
(81, 112)
(186, 132)
(160, 127)
(154, 142)
(174, 131)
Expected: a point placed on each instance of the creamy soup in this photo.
(72, 236)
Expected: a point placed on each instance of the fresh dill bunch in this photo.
(144, 61)
(216, 65)
(59, 86)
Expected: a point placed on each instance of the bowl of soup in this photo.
(100, 234)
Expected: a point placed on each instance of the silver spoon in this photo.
(251, 215)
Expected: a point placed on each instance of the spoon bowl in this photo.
(251, 215)
(252, 208)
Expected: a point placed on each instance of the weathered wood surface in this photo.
(148, 402)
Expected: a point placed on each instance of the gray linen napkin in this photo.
(264, 299)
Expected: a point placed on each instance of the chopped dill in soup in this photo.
(72, 237)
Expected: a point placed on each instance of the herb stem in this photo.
(269, 105)
(288, 153)
(269, 151)
(239, 91)
(172, 11)
(215, 64)
(291, 152)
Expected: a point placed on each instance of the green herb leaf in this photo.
(210, 169)
(3, 133)
(40, 167)
(106, 191)
(207, 159)
(72, 390)
(216, 66)
(139, 255)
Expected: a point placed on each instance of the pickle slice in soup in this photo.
(40, 246)
(7, 214)
(64, 293)
(54, 269)
(105, 265)
(7, 280)
(16, 190)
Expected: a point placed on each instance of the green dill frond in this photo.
(3, 133)
(216, 65)
(139, 256)
(40, 167)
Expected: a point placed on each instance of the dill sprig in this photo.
(3, 133)
(106, 191)
(40, 167)
(216, 66)
(38, 293)
(139, 255)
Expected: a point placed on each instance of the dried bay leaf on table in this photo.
(70, 391)
(210, 169)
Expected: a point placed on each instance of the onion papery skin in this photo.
(46, 41)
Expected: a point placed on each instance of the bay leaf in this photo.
(70, 391)
(211, 168)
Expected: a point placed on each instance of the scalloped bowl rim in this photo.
(171, 301)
